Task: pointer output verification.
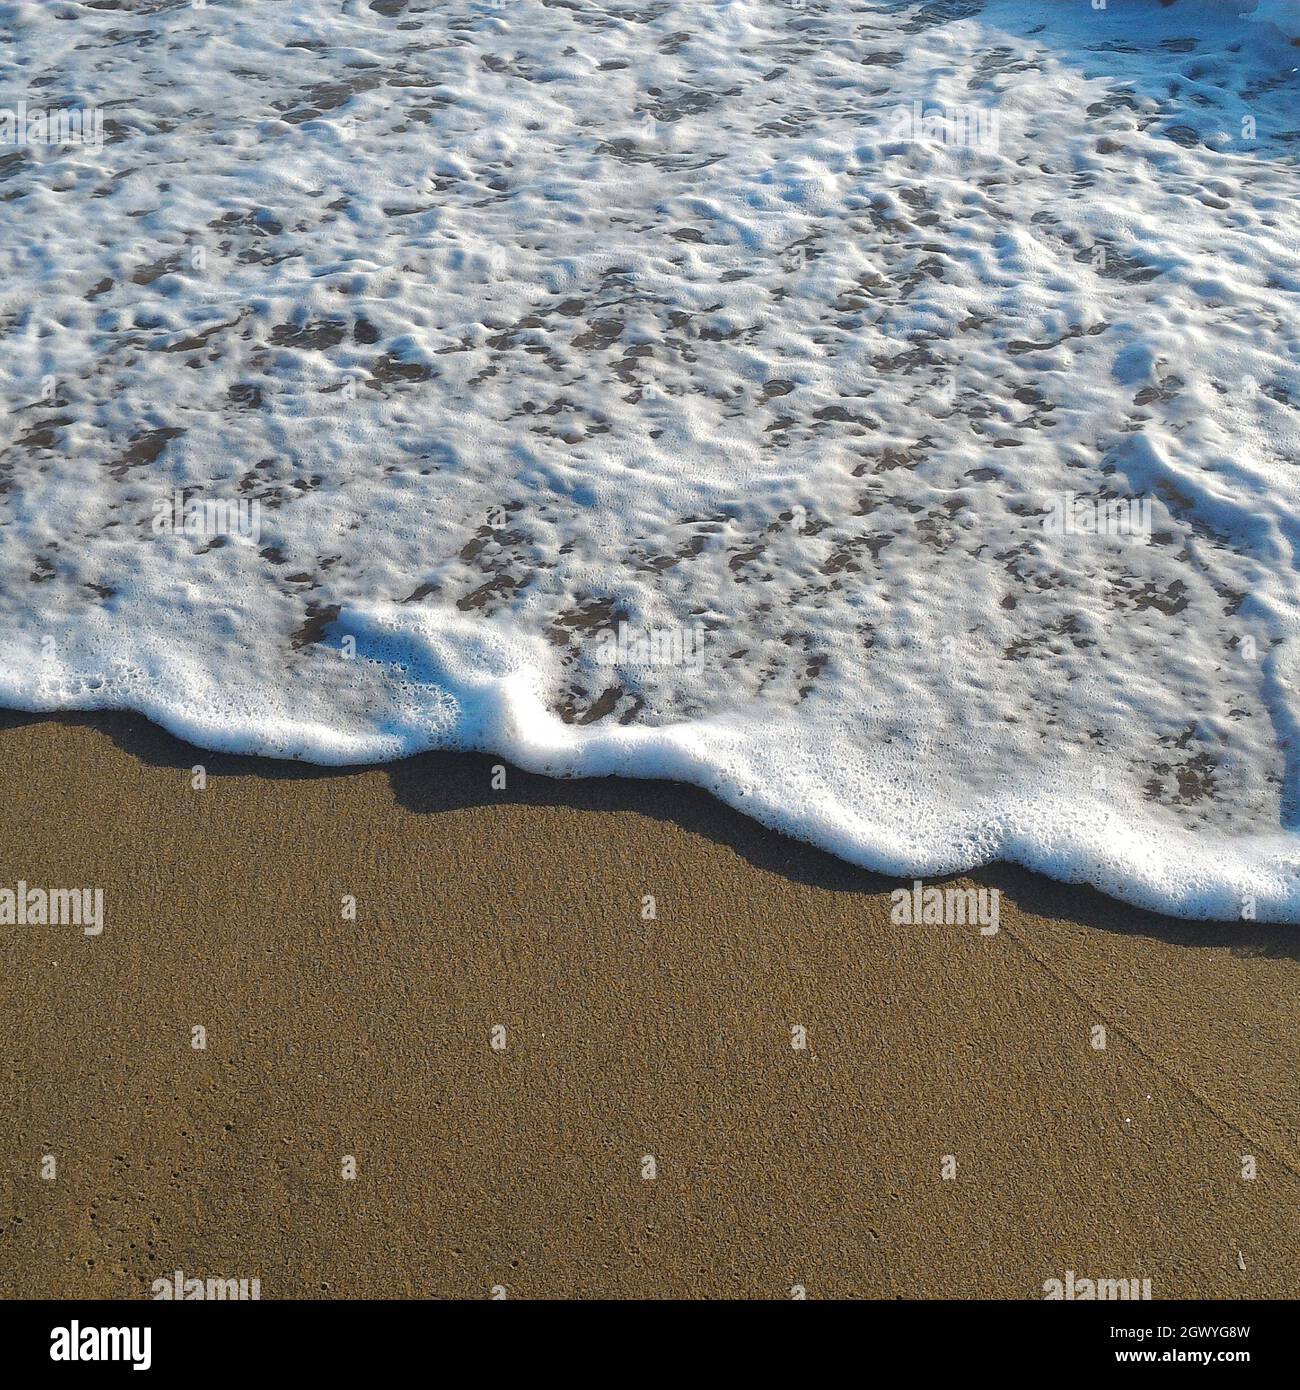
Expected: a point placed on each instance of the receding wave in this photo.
(883, 415)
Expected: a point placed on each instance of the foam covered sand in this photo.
(520, 323)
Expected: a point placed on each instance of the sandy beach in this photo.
(521, 1167)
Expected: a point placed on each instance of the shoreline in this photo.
(687, 804)
(521, 1167)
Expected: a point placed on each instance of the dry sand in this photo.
(522, 1168)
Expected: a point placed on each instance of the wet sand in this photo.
(521, 1168)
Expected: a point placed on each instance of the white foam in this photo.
(523, 324)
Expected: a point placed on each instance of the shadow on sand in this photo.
(434, 783)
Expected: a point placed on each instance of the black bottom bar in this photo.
(56, 1338)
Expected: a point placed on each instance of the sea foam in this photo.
(881, 415)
